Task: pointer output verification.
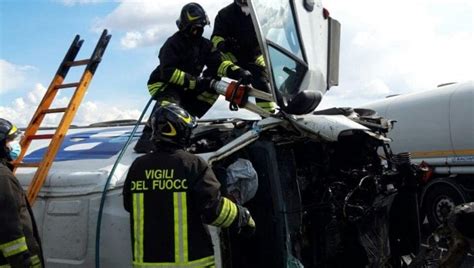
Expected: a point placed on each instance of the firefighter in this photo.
(182, 59)
(171, 194)
(240, 45)
(19, 240)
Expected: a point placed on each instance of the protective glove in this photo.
(244, 76)
(244, 224)
(203, 84)
(249, 229)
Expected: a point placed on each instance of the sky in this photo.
(387, 47)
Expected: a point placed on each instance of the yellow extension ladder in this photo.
(69, 112)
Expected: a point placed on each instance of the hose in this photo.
(104, 192)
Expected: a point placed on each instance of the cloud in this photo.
(21, 110)
(400, 47)
(149, 37)
(149, 23)
(13, 76)
(93, 112)
(354, 96)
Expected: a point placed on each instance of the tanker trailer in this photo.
(437, 128)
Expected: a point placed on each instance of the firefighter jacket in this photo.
(19, 240)
(181, 62)
(170, 194)
(240, 41)
(240, 45)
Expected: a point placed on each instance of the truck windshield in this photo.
(277, 23)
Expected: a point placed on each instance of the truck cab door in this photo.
(300, 43)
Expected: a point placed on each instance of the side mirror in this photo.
(304, 102)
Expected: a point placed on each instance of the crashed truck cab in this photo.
(324, 195)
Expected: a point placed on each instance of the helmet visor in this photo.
(14, 134)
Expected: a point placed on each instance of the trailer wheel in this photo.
(440, 200)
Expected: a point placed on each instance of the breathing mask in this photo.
(14, 149)
(196, 31)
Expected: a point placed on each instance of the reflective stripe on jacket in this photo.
(170, 194)
(19, 238)
(181, 62)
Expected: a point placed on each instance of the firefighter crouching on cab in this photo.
(19, 240)
(239, 45)
(171, 194)
(182, 59)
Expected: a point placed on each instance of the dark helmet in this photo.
(172, 124)
(192, 20)
(8, 131)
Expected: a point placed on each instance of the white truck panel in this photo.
(315, 45)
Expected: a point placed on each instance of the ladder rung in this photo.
(27, 164)
(55, 110)
(41, 137)
(67, 85)
(77, 62)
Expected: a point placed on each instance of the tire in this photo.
(440, 199)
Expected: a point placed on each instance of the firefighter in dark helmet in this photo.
(183, 56)
(19, 240)
(235, 37)
(171, 194)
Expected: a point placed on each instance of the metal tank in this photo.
(437, 128)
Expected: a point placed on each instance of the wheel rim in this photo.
(443, 208)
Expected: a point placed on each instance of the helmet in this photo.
(192, 20)
(7, 130)
(172, 124)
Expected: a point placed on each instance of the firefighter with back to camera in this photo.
(240, 45)
(171, 194)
